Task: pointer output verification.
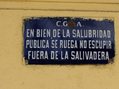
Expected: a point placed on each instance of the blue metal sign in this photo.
(68, 40)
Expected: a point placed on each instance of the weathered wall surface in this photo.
(14, 74)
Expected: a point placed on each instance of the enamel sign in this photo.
(68, 40)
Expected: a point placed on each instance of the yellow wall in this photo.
(81, 1)
(14, 74)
